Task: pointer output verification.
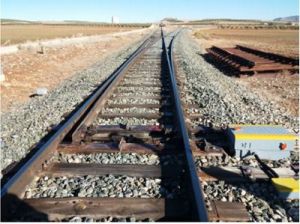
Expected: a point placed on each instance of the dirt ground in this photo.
(26, 71)
(13, 34)
(281, 89)
(284, 42)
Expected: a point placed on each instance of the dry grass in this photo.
(282, 90)
(13, 34)
(280, 41)
(25, 71)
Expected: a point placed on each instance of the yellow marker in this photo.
(287, 187)
(267, 141)
(247, 136)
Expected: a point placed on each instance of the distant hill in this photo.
(18, 21)
(170, 19)
(288, 19)
(66, 22)
(82, 22)
(223, 21)
(226, 20)
(15, 21)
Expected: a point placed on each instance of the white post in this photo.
(2, 76)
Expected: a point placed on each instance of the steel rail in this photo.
(197, 194)
(15, 185)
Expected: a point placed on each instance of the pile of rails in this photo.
(248, 61)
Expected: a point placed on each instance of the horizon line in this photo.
(50, 20)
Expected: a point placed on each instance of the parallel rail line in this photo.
(86, 133)
(138, 118)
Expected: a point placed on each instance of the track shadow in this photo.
(222, 67)
(236, 180)
(11, 169)
(261, 189)
(11, 206)
(179, 208)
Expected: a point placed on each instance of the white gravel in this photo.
(260, 199)
(125, 120)
(220, 98)
(97, 186)
(137, 89)
(130, 110)
(23, 128)
(148, 67)
(133, 101)
(108, 158)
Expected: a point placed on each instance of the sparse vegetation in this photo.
(270, 25)
(19, 33)
(169, 19)
(16, 21)
(243, 24)
(227, 21)
(277, 40)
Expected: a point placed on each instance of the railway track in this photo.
(133, 151)
(124, 153)
(235, 189)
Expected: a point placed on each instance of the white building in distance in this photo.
(115, 19)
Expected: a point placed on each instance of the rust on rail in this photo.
(244, 60)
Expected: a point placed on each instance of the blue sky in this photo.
(146, 10)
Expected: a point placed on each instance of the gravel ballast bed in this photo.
(121, 158)
(108, 158)
(145, 77)
(134, 94)
(103, 186)
(24, 127)
(137, 89)
(221, 98)
(261, 200)
(127, 121)
(107, 219)
(44, 218)
(141, 83)
(130, 110)
(133, 101)
(207, 161)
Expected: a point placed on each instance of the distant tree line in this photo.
(256, 27)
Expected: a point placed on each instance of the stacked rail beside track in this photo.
(244, 60)
(231, 182)
(135, 119)
(137, 150)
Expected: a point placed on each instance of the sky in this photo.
(146, 10)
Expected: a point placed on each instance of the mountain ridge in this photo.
(287, 19)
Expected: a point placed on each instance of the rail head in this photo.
(15, 185)
(197, 194)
